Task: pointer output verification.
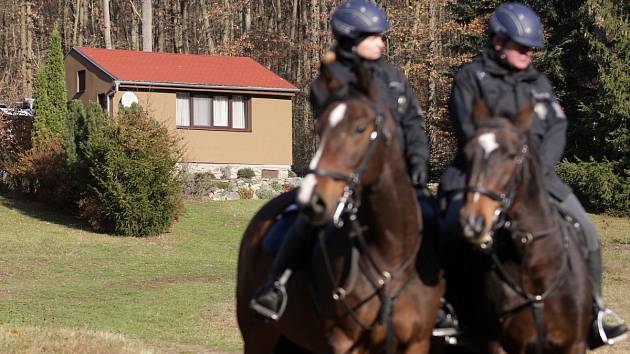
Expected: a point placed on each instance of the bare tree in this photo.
(107, 26)
(147, 26)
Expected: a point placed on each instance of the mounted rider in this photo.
(357, 26)
(504, 78)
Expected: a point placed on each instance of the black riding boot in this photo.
(446, 323)
(602, 332)
(270, 300)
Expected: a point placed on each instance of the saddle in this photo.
(273, 240)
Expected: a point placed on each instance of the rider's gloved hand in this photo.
(418, 174)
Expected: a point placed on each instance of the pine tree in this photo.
(51, 98)
(609, 108)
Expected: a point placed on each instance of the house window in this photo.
(80, 80)
(183, 110)
(102, 101)
(198, 111)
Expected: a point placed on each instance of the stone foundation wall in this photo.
(228, 171)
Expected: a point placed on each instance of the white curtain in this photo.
(220, 111)
(238, 112)
(183, 110)
(201, 110)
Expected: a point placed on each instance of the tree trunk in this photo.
(185, 23)
(226, 24)
(84, 21)
(315, 12)
(178, 40)
(77, 16)
(23, 49)
(147, 26)
(107, 25)
(206, 26)
(248, 17)
(161, 26)
(432, 87)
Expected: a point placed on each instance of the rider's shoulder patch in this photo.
(481, 74)
(541, 110)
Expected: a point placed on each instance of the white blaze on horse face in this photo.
(488, 142)
(337, 114)
(318, 155)
(306, 189)
(309, 182)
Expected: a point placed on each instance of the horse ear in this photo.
(481, 113)
(329, 80)
(524, 117)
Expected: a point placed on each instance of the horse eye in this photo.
(360, 129)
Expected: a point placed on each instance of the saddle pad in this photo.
(275, 236)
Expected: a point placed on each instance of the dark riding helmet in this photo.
(353, 19)
(518, 23)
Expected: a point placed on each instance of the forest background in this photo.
(587, 57)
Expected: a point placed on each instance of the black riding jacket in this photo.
(396, 92)
(505, 91)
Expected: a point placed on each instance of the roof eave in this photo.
(97, 65)
(206, 86)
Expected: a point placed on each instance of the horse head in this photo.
(352, 131)
(495, 158)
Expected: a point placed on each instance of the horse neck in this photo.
(533, 212)
(391, 212)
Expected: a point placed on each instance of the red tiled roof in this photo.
(153, 67)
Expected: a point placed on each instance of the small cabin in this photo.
(231, 112)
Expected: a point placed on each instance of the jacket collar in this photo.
(349, 59)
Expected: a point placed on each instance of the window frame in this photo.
(81, 79)
(247, 110)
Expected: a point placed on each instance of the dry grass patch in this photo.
(39, 340)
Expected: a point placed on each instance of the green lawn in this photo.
(65, 289)
(174, 289)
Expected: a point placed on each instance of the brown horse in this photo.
(530, 291)
(358, 186)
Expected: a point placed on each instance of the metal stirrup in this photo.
(600, 326)
(279, 286)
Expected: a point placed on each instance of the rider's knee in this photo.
(574, 208)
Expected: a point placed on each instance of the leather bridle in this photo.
(350, 200)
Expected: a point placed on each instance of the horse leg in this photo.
(421, 346)
(494, 347)
(342, 344)
(576, 348)
(260, 339)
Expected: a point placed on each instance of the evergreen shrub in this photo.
(135, 186)
(598, 185)
(246, 173)
(276, 186)
(265, 193)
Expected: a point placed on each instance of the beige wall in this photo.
(269, 142)
(94, 83)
